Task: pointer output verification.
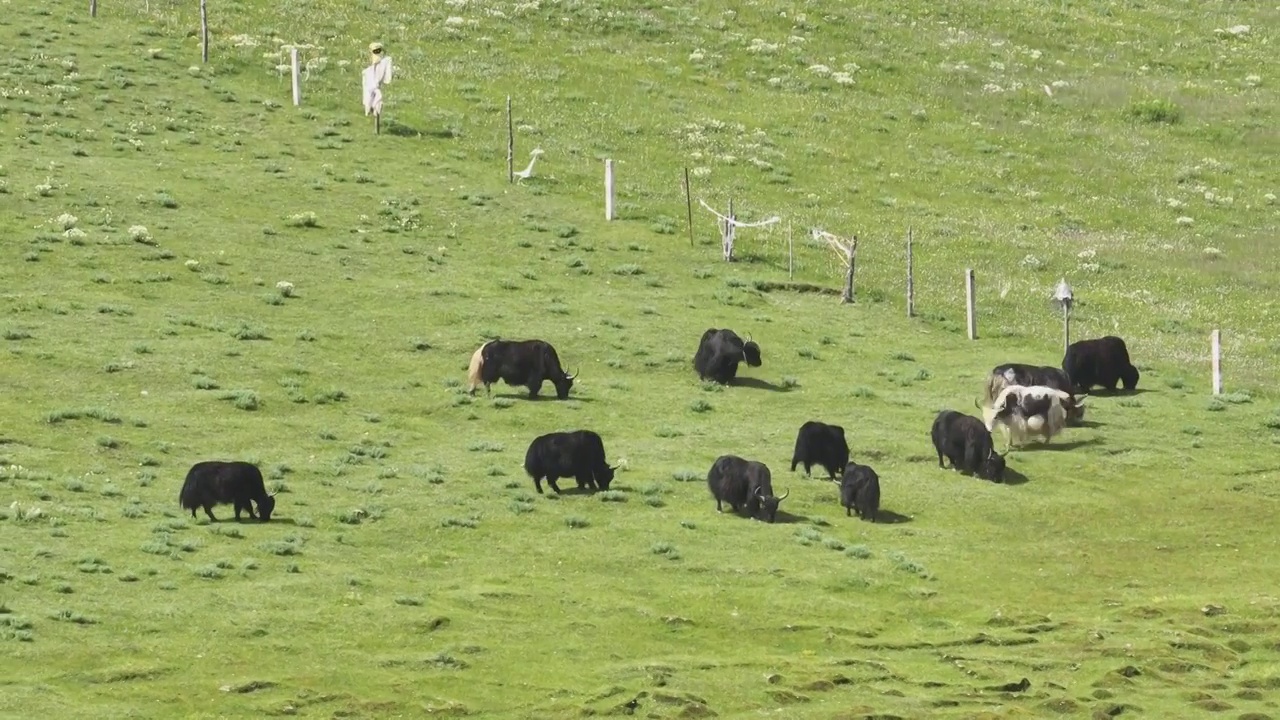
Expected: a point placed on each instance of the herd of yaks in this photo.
(1023, 400)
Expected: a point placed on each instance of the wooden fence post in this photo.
(911, 278)
(851, 257)
(727, 240)
(971, 304)
(790, 254)
(204, 33)
(1066, 328)
(688, 204)
(608, 189)
(1215, 346)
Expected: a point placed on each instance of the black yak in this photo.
(578, 454)
(818, 443)
(214, 482)
(1102, 361)
(720, 351)
(860, 491)
(743, 484)
(1003, 376)
(519, 362)
(966, 442)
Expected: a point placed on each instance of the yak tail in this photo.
(187, 496)
(473, 372)
(1055, 421)
(995, 384)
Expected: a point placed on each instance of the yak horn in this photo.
(568, 376)
(784, 495)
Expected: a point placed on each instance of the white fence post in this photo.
(608, 189)
(1215, 343)
(297, 88)
(971, 304)
(911, 277)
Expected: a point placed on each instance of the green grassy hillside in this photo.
(151, 205)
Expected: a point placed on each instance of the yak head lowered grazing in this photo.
(993, 467)
(751, 352)
(769, 504)
(605, 476)
(1074, 405)
(563, 385)
(266, 506)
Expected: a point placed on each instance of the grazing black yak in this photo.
(720, 351)
(215, 482)
(1102, 361)
(519, 362)
(966, 442)
(818, 443)
(578, 454)
(743, 484)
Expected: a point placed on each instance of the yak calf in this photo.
(860, 491)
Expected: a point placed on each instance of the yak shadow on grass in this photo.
(1118, 392)
(785, 518)
(524, 395)
(758, 383)
(781, 518)
(1013, 477)
(1086, 424)
(570, 490)
(281, 521)
(1060, 447)
(889, 517)
(246, 520)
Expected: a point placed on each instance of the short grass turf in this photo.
(150, 205)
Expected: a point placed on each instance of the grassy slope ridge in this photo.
(150, 205)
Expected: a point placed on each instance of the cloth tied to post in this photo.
(374, 77)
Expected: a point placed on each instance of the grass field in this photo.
(150, 205)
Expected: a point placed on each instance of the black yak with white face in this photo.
(720, 351)
(1102, 361)
(966, 442)
(860, 491)
(744, 484)
(1009, 374)
(578, 454)
(519, 362)
(818, 443)
(215, 482)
